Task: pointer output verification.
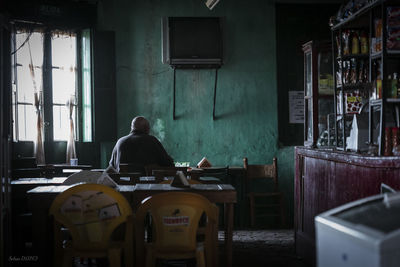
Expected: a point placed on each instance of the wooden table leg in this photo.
(228, 233)
(214, 251)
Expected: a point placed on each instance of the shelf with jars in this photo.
(318, 94)
(366, 67)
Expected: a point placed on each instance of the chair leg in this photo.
(129, 240)
(200, 258)
(214, 239)
(150, 257)
(114, 257)
(282, 211)
(67, 258)
(128, 256)
(252, 217)
(58, 249)
(210, 250)
(58, 256)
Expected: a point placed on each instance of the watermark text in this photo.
(22, 258)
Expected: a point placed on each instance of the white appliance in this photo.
(363, 233)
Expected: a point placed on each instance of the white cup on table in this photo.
(74, 162)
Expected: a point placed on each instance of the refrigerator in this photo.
(363, 233)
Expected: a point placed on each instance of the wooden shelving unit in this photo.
(380, 65)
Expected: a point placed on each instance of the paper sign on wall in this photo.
(296, 107)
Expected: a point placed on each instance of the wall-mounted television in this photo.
(192, 42)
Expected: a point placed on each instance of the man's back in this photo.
(139, 150)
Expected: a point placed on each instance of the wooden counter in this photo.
(326, 179)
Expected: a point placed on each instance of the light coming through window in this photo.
(58, 52)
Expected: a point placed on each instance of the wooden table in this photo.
(21, 186)
(38, 181)
(42, 196)
(53, 170)
(21, 216)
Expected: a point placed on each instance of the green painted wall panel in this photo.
(246, 107)
(247, 94)
(286, 164)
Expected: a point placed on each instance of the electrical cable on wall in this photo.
(173, 107)
(22, 45)
(215, 92)
(174, 94)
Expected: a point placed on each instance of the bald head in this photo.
(140, 125)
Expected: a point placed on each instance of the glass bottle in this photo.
(394, 85)
(355, 46)
(395, 141)
(398, 88)
(388, 142)
(364, 43)
(395, 136)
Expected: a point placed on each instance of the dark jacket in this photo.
(139, 150)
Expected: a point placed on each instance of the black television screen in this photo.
(192, 41)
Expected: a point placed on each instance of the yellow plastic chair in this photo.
(91, 213)
(175, 219)
(201, 230)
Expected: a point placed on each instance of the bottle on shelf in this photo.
(395, 141)
(388, 142)
(379, 88)
(393, 84)
(364, 42)
(346, 45)
(373, 95)
(355, 47)
(398, 88)
(377, 68)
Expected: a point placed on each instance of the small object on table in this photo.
(180, 180)
(204, 163)
(74, 162)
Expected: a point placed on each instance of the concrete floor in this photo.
(272, 248)
(261, 248)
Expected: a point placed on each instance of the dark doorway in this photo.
(296, 24)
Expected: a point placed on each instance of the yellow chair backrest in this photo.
(175, 217)
(91, 212)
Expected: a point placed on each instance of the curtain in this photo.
(38, 97)
(39, 145)
(71, 153)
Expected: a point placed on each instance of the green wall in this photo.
(247, 94)
(246, 107)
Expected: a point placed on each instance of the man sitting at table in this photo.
(138, 149)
